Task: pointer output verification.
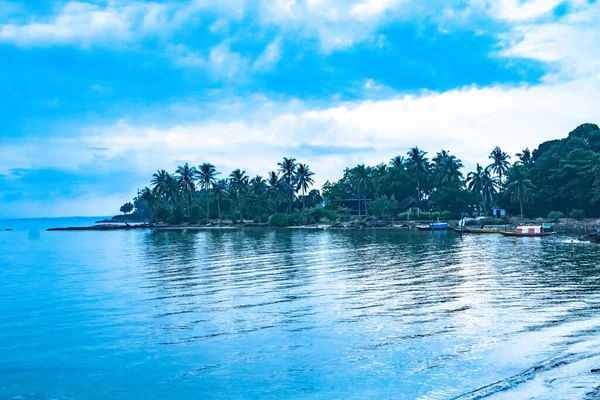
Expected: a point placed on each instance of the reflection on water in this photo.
(289, 313)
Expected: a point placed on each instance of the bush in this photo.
(319, 213)
(164, 213)
(446, 215)
(197, 214)
(177, 216)
(234, 216)
(279, 220)
(577, 214)
(555, 216)
(491, 221)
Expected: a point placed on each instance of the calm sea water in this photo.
(294, 314)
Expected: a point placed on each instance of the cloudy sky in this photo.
(96, 95)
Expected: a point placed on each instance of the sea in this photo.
(295, 314)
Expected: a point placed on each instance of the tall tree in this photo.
(304, 181)
(500, 163)
(238, 183)
(418, 166)
(446, 168)
(186, 177)
(151, 200)
(207, 176)
(287, 167)
(397, 162)
(361, 179)
(524, 156)
(219, 192)
(476, 183)
(274, 188)
(518, 186)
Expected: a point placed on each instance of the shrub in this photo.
(234, 216)
(555, 216)
(491, 221)
(177, 216)
(435, 215)
(577, 214)
(278, 219)
(164, 213)
(446, 215)
(197, 214)
(319, 213)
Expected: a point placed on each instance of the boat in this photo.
(434, 226)
(528, 231)
(482, 230)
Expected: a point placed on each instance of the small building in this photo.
(499, 212)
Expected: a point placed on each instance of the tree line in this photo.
(559, 178)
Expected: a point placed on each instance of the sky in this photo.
(96, 95)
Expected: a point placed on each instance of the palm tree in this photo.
(490, 185)
(304, 181)
(274, 188)
(207, 175)
(238, 183)
(159, 182)
(518, 186)
(287, 167)
(418, 165)
(166, 186)
(186, 177)
(220, 191)
(476, 183)
(500, 163)
(151, 200)
(397, 162)
(524, 156)
(360, 180)
(447, 168)
(258, 186)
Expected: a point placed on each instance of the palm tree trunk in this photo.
(303, 199)
(365, 200)
(359, 214)
(219, 207)
(521, 202)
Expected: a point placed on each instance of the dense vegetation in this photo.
(560, 178)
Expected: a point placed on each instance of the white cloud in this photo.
(573, 44)
(518, 10)
(270, 56)
(470, 122)
(220, 61)
(86, 24)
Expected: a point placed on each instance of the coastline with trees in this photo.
(559, 179)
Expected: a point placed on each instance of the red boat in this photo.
(528, 231)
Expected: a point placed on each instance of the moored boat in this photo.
(434, 226)
(528, 231)
(482, 230)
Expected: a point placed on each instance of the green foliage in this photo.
(554, 216)
(233, 216)
(197, 214)
(279, 220)
(559, 175)
(383, 207)
(164, 213)
(126, 208)
(319, 213)
(491, 221)
(577, 214)
(178, 215)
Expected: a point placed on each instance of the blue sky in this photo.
(96, 95)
